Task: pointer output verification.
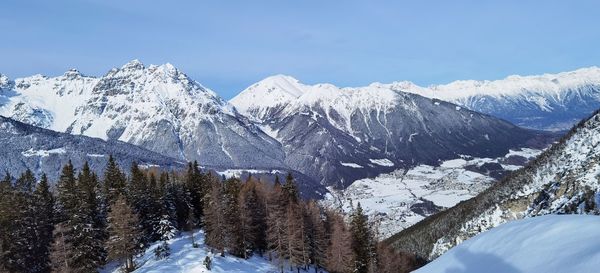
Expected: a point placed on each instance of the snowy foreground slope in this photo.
(186, 259)
(551, 243)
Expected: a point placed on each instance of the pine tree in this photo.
(87, 225)
(277, 239)
(22, 227)
(6, 216)
(139, 197)
(60, 250)
(115, 182)
(167, 200)
(340, 257)
(231, 212)
(290, 189)
(317, 236)
(297, 241)
(196, 186)
(361, 240)
(124, 234)
(67, 206)
(165, 228)
(182, 202)
(252, 219)
(214, 219)
(43, 208)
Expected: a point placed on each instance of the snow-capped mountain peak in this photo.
(157, 107)
(72, 74)
(547, 101)
(327, 130)
(271, 92)
(134, 64)
(5, 82)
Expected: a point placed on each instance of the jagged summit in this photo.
(134, 64)
(157, 107)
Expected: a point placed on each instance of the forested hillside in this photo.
(87, 221)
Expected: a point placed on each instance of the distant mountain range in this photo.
(332, 135)
(545, 102)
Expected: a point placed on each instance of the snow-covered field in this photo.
(400, 199)
(186, 259)
(551, 243)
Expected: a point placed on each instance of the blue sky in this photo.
(228, 45)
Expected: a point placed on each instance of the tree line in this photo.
(84, 221)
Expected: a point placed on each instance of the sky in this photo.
(229, 45)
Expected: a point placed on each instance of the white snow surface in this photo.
(43, 153)
(550, 243)
(186, 259)
(351, 165)
(382, 162)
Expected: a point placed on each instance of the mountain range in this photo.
(332, 135)
(345, 134)
(545, 102)
(155, 107)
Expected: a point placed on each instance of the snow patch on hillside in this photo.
(43, 153)
(351, 165)
(382, 162)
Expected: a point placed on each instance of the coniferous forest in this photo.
(83, 221)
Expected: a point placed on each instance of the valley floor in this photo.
(402, 198)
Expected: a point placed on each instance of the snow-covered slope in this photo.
(186, 259)
(339, 135)
(156, 107)
(44, 151)
(548, 101)
(564, 179)
(552, 243)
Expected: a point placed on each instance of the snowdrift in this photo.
(551, 243)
